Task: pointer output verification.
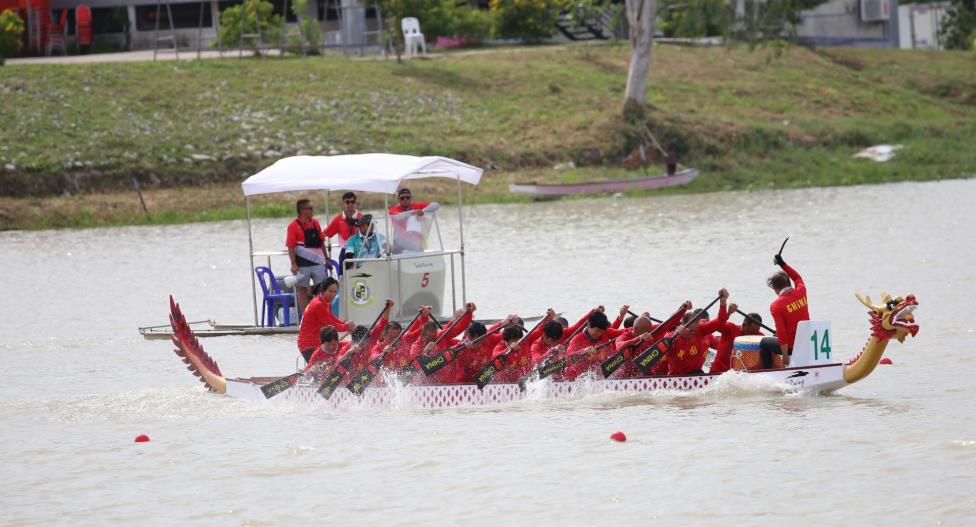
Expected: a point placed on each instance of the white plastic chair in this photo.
(412, 37)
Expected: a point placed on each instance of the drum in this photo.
(745, 354)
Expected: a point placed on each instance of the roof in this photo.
(363, 172)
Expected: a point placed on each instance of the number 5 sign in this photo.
(812, 345)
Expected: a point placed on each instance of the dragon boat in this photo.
(811, 371)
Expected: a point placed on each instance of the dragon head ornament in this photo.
(893, 318)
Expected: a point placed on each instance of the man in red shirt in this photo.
(598, 331)
(518, 363)
(308, 254)
(424, 346)
(344, 222)
(329, 349)
(475, 356)
(319, 314)
(729, 331)
(688, 350)
(790, 306)
(638, 337)
(409, 232)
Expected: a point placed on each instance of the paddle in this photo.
(545, 370)
(275, 387)
(778, 259)
(411, 369)
(652, 355)
(365, 376)
(328, 386)
(635, 315)
(435, 363)
(560, 365)
(754, 321)
(615, 361)
(486, 374)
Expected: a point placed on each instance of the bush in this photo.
(256, 16)
(473, 25)
(695, 18)
(309, 26)
(11, 28)
(529, 20)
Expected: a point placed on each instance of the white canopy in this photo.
(362, 172)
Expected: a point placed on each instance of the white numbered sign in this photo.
(813, 343)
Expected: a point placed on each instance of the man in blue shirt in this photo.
(365, 243)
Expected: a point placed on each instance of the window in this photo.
(109, 20)
(185, 16)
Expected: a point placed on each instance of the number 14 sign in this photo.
(812, 344)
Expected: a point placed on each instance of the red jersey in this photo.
(582, 341)
(397, 209)
(519, 363)
(317, 315)
(688, 354)
(449, 372)
(471, 360)
(790, 308)
(627, 339)
(398, 358)
(340, 225)
(320, 355)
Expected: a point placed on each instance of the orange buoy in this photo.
(618, 436)
(142, 438)
(885, 360)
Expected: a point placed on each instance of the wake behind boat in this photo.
(892, 319)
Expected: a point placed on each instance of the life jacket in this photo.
(310, 253)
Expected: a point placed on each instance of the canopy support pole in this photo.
(464, 290)
(250, 254)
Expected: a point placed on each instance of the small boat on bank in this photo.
(811, 373)
(543, 192)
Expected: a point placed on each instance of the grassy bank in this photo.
(73, 137)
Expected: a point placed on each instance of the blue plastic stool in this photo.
(273, 297)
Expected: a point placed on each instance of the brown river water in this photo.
(898, 448)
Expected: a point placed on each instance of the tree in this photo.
(640, 23)
(959, 29)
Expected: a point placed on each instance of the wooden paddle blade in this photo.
(362, 380)
(331, 382)
(648, 358)
(274, 388)
(609, 366)
(430, 365)
(552, 368)
(485, 375)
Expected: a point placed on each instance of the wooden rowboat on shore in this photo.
(543, 192)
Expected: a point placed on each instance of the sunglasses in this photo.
(350, 201)
(308, 207)
(404, 197)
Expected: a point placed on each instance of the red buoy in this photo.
(142, 438)
(618, 436)
(885, 360)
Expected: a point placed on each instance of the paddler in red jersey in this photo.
(476, 355)
(329, 349)
(319, 314)
(549, 342)
(790, 306)
(638, 337)
(518, 364)
(688, 350)
(424, 346)
(584, 344)
(729, 331)
(397, 359)
(361, 352)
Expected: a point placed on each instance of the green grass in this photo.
(747, 119)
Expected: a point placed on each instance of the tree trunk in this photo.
(640, 21)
